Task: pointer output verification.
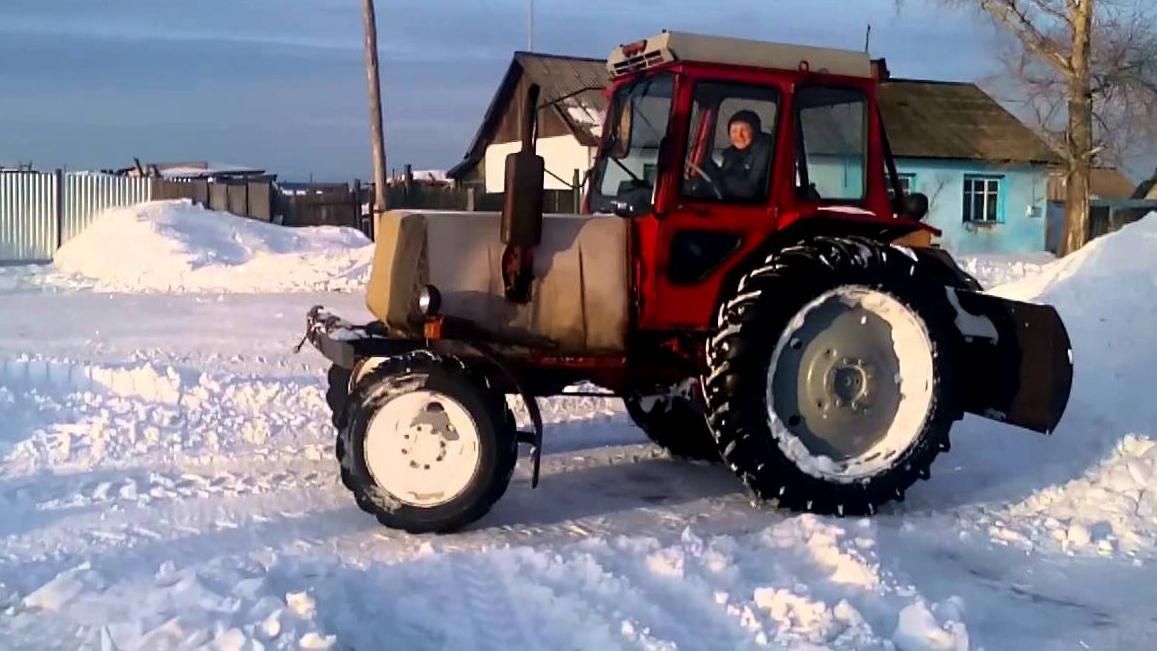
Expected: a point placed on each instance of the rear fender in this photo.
(1015, 362)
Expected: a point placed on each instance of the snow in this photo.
(586, 114)
(995, 269)
(167, 481)
(174, 246)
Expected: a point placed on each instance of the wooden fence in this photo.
(352, 205)
(251, 197)
(338, 204)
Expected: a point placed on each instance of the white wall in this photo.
(562, 155)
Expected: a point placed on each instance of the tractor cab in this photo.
(712, 145)
(718, 122)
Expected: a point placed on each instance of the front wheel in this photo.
(829, 389)
(426, 445)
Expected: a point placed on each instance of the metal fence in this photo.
(28, 216)
(88, 195)
(39, 211)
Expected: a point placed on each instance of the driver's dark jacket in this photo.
(744, 173)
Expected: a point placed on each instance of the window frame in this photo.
(801, 149)
(968, 199)
(601, 163)
(911, 177)
(691, 133)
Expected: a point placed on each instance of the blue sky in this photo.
(280, 84)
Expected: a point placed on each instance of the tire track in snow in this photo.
(496, 620)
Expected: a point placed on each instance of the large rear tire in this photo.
(673, 423)
(426, 445)
(830, 376)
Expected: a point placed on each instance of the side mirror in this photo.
(916, 206)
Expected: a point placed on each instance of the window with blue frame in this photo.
(982, 202)
(907, 183)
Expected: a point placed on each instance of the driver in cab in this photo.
(744, 170)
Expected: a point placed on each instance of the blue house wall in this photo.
(1022, 202)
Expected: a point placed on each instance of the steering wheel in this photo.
(700, 172)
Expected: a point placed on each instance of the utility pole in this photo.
(377, 140)
(530, 35)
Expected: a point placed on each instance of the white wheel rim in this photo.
(914, 352)
(422, 448)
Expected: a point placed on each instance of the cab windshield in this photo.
(627, 169)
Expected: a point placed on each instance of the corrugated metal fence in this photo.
(88, 195)
(41, 211)
(28, 216)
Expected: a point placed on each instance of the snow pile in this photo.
(174, 246)
(1088, 487)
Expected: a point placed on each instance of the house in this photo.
(985, 172)
(1104, 183)
(568, 131)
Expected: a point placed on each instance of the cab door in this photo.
(705, 223)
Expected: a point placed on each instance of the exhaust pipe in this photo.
(522, 207)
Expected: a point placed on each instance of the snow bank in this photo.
(174, 246)
(1088, 486)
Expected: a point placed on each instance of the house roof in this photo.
(557, 76)
(925, 119)
(952, 120)
(1104, 183)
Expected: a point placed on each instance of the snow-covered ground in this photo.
(166, 481)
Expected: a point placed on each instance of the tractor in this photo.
(747, 274)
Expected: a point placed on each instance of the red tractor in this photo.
(750, 278)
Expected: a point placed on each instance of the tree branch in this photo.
(1014, 19)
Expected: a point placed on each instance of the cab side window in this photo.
(731, 143)
(832, 143)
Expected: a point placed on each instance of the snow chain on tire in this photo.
(496, 429)
(739, 357)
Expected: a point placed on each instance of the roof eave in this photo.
(477, 148)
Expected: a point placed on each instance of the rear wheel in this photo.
(830, 376)
(673, 423)
(426, 446)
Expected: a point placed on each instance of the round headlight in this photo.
(429, 300)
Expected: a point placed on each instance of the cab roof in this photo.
(669, 46)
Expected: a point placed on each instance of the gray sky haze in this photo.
(279, 84)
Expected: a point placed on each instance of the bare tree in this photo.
(373, 81)
(1087, 71)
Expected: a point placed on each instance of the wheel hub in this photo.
(427, 438)
(422, 447)
(834, 385)
(849, 381)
